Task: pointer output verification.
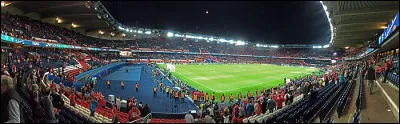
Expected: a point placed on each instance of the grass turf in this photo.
(235, 78)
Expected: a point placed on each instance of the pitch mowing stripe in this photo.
(197, 82)
(242, 76)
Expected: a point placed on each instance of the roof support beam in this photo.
(381, 10)
(61, 6)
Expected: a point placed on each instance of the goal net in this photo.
(171, 67)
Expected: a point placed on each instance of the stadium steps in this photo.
(375, 108)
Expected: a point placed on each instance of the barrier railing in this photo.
(357, 114)
(143, 119)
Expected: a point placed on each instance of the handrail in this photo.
(143, 119)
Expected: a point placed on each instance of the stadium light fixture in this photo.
(101, 32)
(74, 25)
(147, 32)
(123, 35)
(211, 39)
(169, 34)
(275, 46)
(59, 20)
(4, 4)
(140, 32)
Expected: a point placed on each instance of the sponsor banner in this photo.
(393, 24)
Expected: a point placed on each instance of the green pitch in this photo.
(235, 78)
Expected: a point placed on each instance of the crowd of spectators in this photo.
(26, 28)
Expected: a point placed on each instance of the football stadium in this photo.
(199, 62)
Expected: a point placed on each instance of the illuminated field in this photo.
(235, 78)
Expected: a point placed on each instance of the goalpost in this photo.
(171, 67)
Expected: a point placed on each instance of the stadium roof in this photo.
(358, 22)
(81, 13)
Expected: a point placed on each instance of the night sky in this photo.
(256, 21)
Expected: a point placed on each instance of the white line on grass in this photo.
(199, 83)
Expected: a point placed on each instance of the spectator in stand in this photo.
(146, 110)
(387, 70)
(189, 118)
(134, 114)
(258, 107)
(208, 118)
(379, 71)
(271, 105)
(47, 105)
(10, 100)
(370, 77)
(93, 106)
(57, 101)
(242, 112)
(279, 102)
(250, 108)
(36, 103)
(118, 103)
(341, 78)
(115, 118)
(72, 98)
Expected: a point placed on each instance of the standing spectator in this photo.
(118, 103)
(146, 110)
(208, 118)
(48, 107)
(258, 107)
(250, 108)
(93, 106)
(72, 98)
(370, 77)
(36, 102)
(341, 79)
(271, 105)
(189, 118)
(58, 102)
(10, 100)
(242, 112)
(279, 101)
(387, 66)
(115, 118)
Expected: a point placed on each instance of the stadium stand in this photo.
(68, 73)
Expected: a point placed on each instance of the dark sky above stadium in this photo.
(282, 22)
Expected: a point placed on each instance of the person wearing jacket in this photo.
(47, 105)
(250, 108)
(271, 104)
(10, 101)
(279, 101)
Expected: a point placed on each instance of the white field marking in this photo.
(198, 83)
(387, 96)
(218, 91)
(295, 72)
(247, 86)
(253, 84)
